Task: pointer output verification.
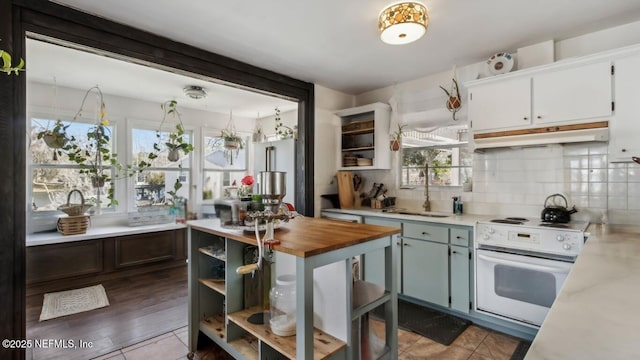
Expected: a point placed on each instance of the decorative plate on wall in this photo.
(500, 63)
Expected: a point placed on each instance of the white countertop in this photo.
(464, 219)
(97, 232)
(597, 313)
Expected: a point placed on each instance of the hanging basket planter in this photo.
(55, 141)
(230, 144)
(97, 182)
(394, 145)
(173, 155)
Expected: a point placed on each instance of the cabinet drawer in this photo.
(426, 232)
(461, 237)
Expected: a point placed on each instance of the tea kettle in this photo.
(557, 213)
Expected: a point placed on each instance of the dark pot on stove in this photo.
(557, 213)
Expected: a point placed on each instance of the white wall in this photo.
(516, 182)
(326, 139)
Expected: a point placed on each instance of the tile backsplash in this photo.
(516, 182)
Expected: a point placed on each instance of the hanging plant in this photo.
(7, 68)
(55, 138)
(94, 155)
(282, 130)
(454, 101)
(176, 140)
(230, 141)
(396, 138)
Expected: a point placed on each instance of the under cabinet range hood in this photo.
(561, 134)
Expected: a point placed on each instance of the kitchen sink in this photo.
(418, 213)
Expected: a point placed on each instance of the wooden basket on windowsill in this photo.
(73, 225)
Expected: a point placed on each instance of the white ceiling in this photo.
(334, 43)
(82, 70)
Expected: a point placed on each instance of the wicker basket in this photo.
(73, 225)
(74, 209)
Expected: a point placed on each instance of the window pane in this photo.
(52, 185)
(215, 183)
(217, 157)
(42, 154)
(142, 144)
(153, 187)
(444, 150)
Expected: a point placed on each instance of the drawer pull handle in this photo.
(425, 233)
(458, 237)
(405, 244)
(455, 252)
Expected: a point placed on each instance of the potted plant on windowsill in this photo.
(176, 140)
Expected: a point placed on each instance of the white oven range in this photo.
(521, 264)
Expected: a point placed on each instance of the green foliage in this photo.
(176, 139)
(282, 130)
(397, 135)
(174, 193)
(93, 155)
(7, 68)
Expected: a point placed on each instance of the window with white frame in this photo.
(444, 150)
(53, 176)
(223, 169)
(152, 186)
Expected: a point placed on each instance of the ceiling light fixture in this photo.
(195, 92)
(403, 23)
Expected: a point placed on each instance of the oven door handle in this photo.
(524, 265)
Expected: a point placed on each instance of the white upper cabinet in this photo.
(624, 129)
(502, 104)
(537, 98)
(583, 92)
(364, 137)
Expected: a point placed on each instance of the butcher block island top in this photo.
(304, 237)
(323, 251)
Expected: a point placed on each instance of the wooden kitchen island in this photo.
(216, 307)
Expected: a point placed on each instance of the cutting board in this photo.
(346, 193)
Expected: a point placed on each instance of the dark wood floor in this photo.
(141, 307)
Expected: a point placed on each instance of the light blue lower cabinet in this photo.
(459, 278)
(425, 268)
(373, 268)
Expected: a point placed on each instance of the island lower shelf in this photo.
(324, 344)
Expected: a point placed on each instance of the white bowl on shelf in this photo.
(365, 162)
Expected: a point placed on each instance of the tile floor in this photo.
(475, 343)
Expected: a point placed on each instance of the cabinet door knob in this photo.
(398, 243)
(525, 118)
(458, 237)
(425, 233)
(454, 252)
(405, 244)
(539, 116)
(624, 150)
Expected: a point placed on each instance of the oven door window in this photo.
(532, 286)
(517, 286)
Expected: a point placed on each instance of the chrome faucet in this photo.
(426, 206)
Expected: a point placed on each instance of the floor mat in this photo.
(75, 301)
(435, 325)
(521, 351)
